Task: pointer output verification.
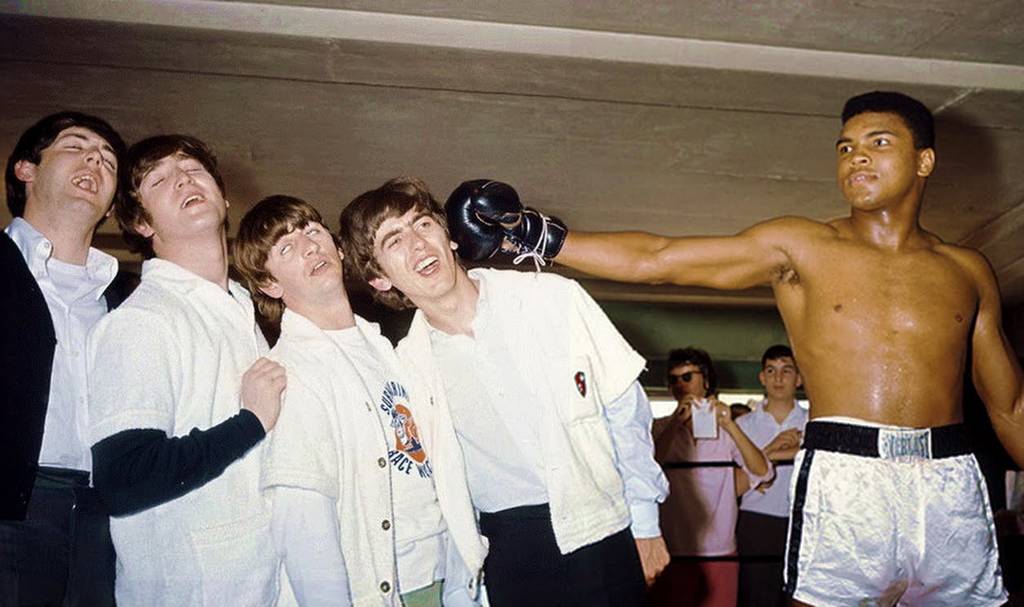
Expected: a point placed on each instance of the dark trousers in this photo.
(524, 566)
(61, 554)
(761, 541)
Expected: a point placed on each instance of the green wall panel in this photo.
(734, 337)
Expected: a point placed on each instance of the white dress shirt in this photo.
(74, 295)
(761, 428)
(498, 417)
(544, 367)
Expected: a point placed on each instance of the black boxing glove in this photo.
(484, 214)
(473, 220)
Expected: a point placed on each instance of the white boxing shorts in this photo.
(884, 515)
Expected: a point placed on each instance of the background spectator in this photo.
(776, 425)
(699, 517)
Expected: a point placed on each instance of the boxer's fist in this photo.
(475, 212)
(484, 215)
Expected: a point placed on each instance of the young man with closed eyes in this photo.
(61, 179)
(180, 396)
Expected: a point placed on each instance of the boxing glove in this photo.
(483, 214)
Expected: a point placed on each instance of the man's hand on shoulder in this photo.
(262, 386)
(654, 556)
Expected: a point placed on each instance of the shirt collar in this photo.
(481, 277)
(294, 323)
(795, 411)
(184, 281)
(100, 267)
(296, 327)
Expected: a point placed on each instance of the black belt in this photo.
(48, 477)
(67, 488)
(888, 443)
(519, 513)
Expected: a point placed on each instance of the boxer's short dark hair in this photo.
(914, 114)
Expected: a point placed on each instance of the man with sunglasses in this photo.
(686, 379)
(705, 472)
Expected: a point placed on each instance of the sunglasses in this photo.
(684, 377)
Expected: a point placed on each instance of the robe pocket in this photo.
(237, 562)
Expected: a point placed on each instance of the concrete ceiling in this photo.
(679, 118)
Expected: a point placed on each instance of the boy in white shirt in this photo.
(356, 518)
(174, 457)
(61, 179)
(537, 421)
(776, 426)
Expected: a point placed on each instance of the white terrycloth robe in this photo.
(565, 340)
(171, 358)
(329, 439)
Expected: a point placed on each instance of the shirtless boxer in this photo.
(888, 504)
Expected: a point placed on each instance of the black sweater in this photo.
(27, 343)
(137, 469)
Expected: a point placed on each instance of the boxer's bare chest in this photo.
(876, 329)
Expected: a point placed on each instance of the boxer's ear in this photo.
(925, 162)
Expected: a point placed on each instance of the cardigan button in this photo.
(382, 462)
(385, 525)
(385, 587)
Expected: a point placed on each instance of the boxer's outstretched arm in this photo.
(747, 259)
(995, 370)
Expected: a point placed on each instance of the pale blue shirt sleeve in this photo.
(629, 420)
(306, 534)
(461, 586)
